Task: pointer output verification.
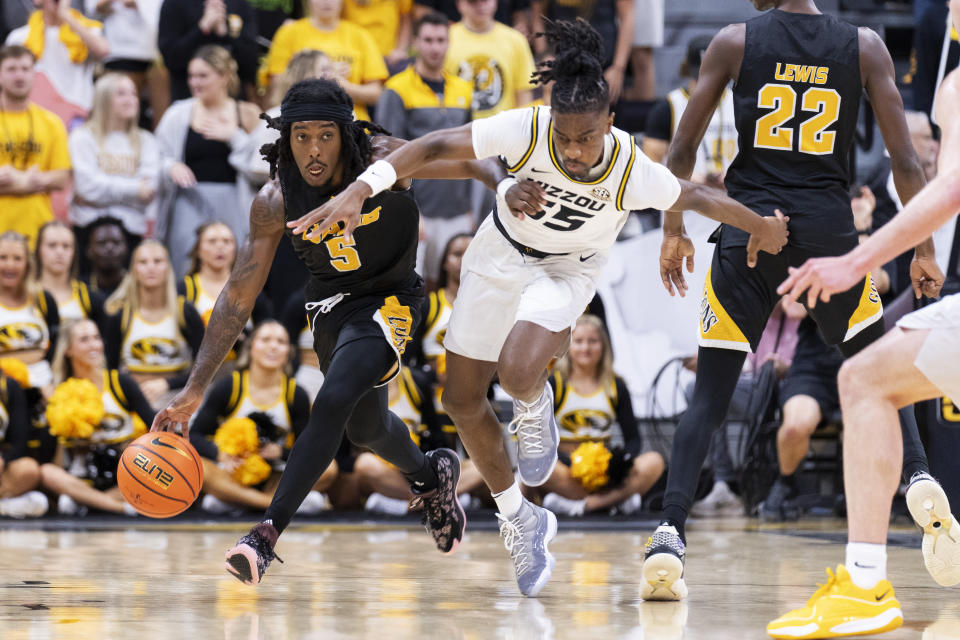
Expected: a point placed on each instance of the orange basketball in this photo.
(160, 474)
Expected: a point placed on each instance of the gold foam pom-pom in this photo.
(237, 437)
(589, 463)
(253, 470)
(75, 409)
(16, 370)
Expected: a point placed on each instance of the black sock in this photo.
(424, 479)
(675, 521)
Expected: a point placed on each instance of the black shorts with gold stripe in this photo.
(393, 316)
(738, 300)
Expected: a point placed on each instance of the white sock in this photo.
(867, 563)
(509, 501)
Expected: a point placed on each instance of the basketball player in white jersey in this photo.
(526, 277)
(915, 361)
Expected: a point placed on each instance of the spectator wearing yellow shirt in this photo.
(495, 57)
(357, 64)
(390, 22)
(34, 159)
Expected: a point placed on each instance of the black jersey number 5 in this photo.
(782, 98)
(567, 219)
(343, 255)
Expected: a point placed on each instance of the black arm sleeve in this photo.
(136, 399)
(659, 121)
(18, 431)
(627, 421)
(52, 318)
(208, 419)
(193, 334)
(112, 340)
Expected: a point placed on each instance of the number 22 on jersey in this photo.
(770, 133)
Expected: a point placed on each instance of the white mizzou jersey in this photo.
(719, 145)
(580, 215)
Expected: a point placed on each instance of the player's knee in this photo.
(460, 400)
(25, 472)
(854, 380)
(797, 431)
(521, 382)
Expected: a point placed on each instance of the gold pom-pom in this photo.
(441, 365)
(16, 370)
(589, 463)
(75, 409)
(253, 470)
(237, 437)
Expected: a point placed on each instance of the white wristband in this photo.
(380, 176)
(504, 185)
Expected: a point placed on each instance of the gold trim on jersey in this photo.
(717, 328)
(626, 175)
(868, 311)
(559, 167)
(534, 136)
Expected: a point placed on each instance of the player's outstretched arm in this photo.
(925, 213)
(233, 306)
(876, 69)
(489, 171)
(404, 162)
(766, 233)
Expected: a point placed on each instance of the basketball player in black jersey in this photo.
(364, 301)
(798, 78)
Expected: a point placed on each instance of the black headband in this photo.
(307, 111)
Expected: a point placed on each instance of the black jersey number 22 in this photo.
(770, 133)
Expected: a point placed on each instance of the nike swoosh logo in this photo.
(864, 566)
(539, 171)
(160, 443)
(879, 598)
(582, 259)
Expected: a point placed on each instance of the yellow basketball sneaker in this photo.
(840, 608)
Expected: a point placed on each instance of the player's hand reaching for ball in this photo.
(771, 238)
(526, 197)
(178, 412)
(675, 248)
(345, 207)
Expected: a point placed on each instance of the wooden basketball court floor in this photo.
(165, 581)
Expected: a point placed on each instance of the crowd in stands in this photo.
(130, 136)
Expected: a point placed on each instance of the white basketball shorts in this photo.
(940, 354)
(499, 286)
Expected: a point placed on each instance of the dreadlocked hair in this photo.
(577, 70)
(355, 144)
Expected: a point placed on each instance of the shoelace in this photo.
(823, 589)
(526, 426)
(512, 532)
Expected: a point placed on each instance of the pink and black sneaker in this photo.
(442, 514)
(249, 558)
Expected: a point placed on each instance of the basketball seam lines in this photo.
(169, 463)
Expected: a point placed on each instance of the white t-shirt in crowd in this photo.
(130, 31)
(580, 215)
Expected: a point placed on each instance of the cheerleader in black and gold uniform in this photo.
(80, 354)
(151, 333)
(589, 399)
(19, 472)
(260, 390)
(56, 259)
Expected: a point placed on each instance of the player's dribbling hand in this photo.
(771, 239)
(525, 198)
(178, 412)
(345, 207)
(674, 249)
(926, 276)
(820, 278)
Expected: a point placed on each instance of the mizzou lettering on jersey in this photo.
(18, 336)
(568, 196)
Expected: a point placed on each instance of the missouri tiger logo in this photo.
(18, 336)
(155, 352)
(585, 423)
(487, 78)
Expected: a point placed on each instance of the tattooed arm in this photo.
(233, 306)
